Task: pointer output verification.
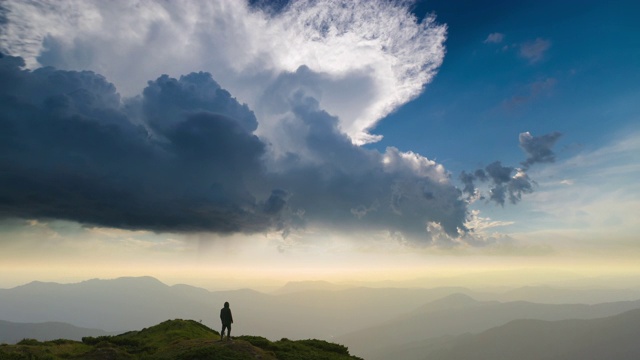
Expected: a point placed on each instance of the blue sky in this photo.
(321, 138)
(583, 84)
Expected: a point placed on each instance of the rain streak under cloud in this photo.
(266, 138)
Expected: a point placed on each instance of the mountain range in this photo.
(11, 333)
(135, 302)
(458, 314)
(372, 322)
(614, 337)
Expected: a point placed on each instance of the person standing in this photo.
(227, 320)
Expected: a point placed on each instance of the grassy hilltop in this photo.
(175, 339)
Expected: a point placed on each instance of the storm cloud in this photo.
(345, 186)
(183, 157)
(71, 150)
(271, 145)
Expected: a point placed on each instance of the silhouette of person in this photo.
(227, 320)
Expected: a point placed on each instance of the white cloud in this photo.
(494, 38)
(375, 45)
(535, 51)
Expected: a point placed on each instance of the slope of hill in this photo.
(11, 332)
(175, 339)
(614, 337)
(459, 314)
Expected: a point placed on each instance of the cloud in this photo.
(499, 174)
(534, 51)
(182, 157)
(494, 38)
(468, 182)
(505, 185)
(538, 148)
(531, 92)
(506, 182)
(72, 151)
(378, 48)
(182, 154)
(347, 187)
(194, 158)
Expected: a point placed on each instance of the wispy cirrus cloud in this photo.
(534, 51)
(494, 38)
(530, 92)
(588, 197)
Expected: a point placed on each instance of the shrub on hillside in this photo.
(326, 346)
(28, 342)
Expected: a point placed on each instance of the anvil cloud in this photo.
(272, 144)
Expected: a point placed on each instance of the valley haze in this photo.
(372, 322)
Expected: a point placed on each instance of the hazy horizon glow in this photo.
(231, 144)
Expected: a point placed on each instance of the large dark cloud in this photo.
(70, 150)
(353, 188)
(166, 101)
(182, 157)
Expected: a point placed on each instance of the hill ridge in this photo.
(612, 337)
(176, 339)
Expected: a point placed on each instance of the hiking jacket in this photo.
(225, 316)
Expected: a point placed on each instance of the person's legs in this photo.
(228, 327)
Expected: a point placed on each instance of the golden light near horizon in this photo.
(260, 262)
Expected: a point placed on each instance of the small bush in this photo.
(90, 340)
(103, 344)
(29, 342)
(59, 342)
(326, 346)
(257, 341)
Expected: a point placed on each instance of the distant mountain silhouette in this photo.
(556, 295)
(614, 337)
(459, 314)
(453, 301)
(135, 302)
(11, 332)
(301, 286)
(374, 318)
(114, 305)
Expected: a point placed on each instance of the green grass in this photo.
(47, 350)
(286, 349)
(174, 339)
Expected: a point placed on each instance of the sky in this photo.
(229, 144)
